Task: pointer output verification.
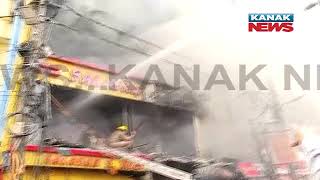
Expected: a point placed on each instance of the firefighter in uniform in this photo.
(120, 138)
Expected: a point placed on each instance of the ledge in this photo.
(79, 158)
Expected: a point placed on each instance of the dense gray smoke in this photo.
(224, 130)
(87, 111)
(164, 130)
(159, 129)
(220, 132)
(134, 18)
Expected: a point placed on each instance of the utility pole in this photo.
(35, 92)
(34, 109)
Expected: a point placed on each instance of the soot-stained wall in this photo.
(164, 129)
(160, 128)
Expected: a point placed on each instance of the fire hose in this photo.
(150, 165)
(154, 167)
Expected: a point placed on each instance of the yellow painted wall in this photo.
(79, 162)
(5, 23)
(72, 174)
(12, 105)
(5, 33)
(48, 173)
(65, 79)
(69, 174)
(5, 27)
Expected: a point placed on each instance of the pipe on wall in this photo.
(11, 59)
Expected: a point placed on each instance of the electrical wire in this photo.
(102, 39)
(47, 116)
(116, 44)
(268, 107)
(10, 16)
(119, 31)
(291, 101)
(31, 122)
(16, 49)
(113, 42)
(28, 128)
(110, 27)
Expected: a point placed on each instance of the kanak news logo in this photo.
(266, 22)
